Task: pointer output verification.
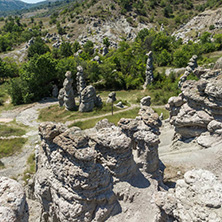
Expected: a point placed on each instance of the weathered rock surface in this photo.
(192, 65)
(197, 197)
(111, 97)
(70, 183)
(66, 94)
(197, 111)
(149, 70)
(199, 24)
(144, 131)
(218, 64)
(89, 99)
(82, 175)
(81, 83)
(13, 205)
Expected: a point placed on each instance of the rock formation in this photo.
(218, 64)
(145, 101)
(197, 111)
(81, 83)
(77, 170)
(66, 94)
(197, 197)
(13, 206)
(144, 132)
(89, 99)
(111, 97)
(55, 91)
(149, 69)
(189, 69)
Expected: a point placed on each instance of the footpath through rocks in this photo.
(15, 165)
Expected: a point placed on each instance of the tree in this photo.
(66, 49)
(76, 46)
(38, 74)
(106, 42)
(38, 47)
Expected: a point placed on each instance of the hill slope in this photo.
(10, 5)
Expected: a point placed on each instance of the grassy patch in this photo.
(113, 119)
(10, 146)
(10, 131)
(131, 96)
(31, 169)
(165, 112)
(59, 114)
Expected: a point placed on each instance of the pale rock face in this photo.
(145, 101)
(192, 65)
(144, 131)
(197, 111)
(149, 69)
(66, 94)
(218, 64)
(111, 97)
(89, 99)
(13, 206)
(197, 197)
(81, 83)
(77, 170)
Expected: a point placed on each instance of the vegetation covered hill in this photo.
(9, 5)
(123, 67)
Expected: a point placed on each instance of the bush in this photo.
(38, 47)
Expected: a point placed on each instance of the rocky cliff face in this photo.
(200, 23)
(197, 111)
(78, 172)
(197, 197)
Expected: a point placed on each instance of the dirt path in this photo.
(68, 123)
(15, 165)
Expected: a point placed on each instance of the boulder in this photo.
(89, 99)
(13, 205)
(197, 111)
(111, 97)
(197, 197)
(149, 69)
(66, 94)
(218, 64)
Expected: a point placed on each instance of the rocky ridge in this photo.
(78, 172)
(199, 23)
(196, 112)
(197, 197)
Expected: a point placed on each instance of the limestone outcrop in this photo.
(149, 69)
(66, 94)
(197, 197)
(89, 99)
(218, 64)
(144, 132)
(197, 111)
(81, 83)
(77, 170)
(192, 65)
(111, 97)
(13, 205)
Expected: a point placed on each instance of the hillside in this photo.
(9, 5)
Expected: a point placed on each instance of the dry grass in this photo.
(9, 147)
